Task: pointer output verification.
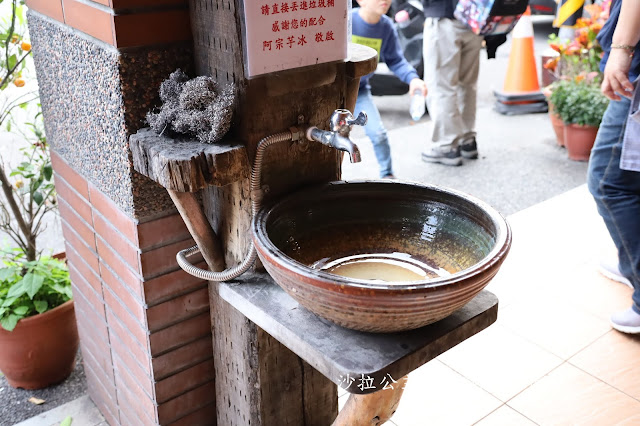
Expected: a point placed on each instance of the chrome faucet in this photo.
(341, 122)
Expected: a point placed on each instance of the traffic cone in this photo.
(521, 91)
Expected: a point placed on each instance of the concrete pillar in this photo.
(144, 324)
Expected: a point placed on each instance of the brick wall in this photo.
(144, 323)
(122, 23)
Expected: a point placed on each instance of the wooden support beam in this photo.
(373, 409)
(200, 229)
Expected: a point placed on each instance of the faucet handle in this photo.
(360, 120)
(341, 121)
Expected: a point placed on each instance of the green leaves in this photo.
(579, 102)
(41, 306)
(31, 288)
(32, 284)
(21, 310)
(9, 322)
(47, 172)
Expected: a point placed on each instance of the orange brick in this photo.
(185, 356)
(178, 309)
(117, 218)
(179, 334)
(184, 381)
(144, 29)
(51, 8)
(60, 166)
(90, 20)
(186, 403)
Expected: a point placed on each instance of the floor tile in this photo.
(436, 395)
(557, 327)
(500, 362)
(82, 412)
(614, 359)
(569, 396)
(505, 416)
(342, 400)
(585, 288)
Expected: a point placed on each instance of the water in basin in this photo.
(380, 267)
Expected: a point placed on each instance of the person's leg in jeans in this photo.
(617, 196)
(375, 131)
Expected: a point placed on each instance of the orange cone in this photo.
(521, 91)
(522, 75)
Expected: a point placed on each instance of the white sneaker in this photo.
(626, 321)
(612, 271)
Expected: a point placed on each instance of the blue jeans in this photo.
(617, 193)
(375, 130)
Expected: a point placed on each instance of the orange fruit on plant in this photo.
(19, 82)
(25, 46)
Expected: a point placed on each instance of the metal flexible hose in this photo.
(256, 202)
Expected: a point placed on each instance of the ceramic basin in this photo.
(381, 256)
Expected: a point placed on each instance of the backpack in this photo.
(490, 17)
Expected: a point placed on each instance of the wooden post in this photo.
(372, 409)
(258, 380)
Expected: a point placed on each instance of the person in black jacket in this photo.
(451, 65)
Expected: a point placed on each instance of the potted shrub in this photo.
(556, 94)
(581, 106)
(38, 335)
(576, 58)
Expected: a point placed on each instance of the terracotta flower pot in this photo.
(558, 126)
(579, 140)
(41, 350)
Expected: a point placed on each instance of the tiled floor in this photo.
(551, 358)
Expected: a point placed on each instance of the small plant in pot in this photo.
(581, 106)
(38, 334)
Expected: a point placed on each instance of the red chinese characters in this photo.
(294, 6)
(291, 41)
(290, 25)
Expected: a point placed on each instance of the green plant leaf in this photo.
(7, 273)
(47, 171)
(38, 198)
(11, 62)
(67, 421)
(9, 301)
(41, 305)
(9, 322)
(17, 290)
(32, 284)
(21, 310)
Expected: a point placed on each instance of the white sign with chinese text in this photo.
(287, 34)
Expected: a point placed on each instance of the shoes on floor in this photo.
(390, 176)
(626, 321)
(469, 148)
(612, 271)
(447, 157)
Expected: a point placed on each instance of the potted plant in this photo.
(581, 106)
(38, 334)
(575, 59)
(556, 93)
